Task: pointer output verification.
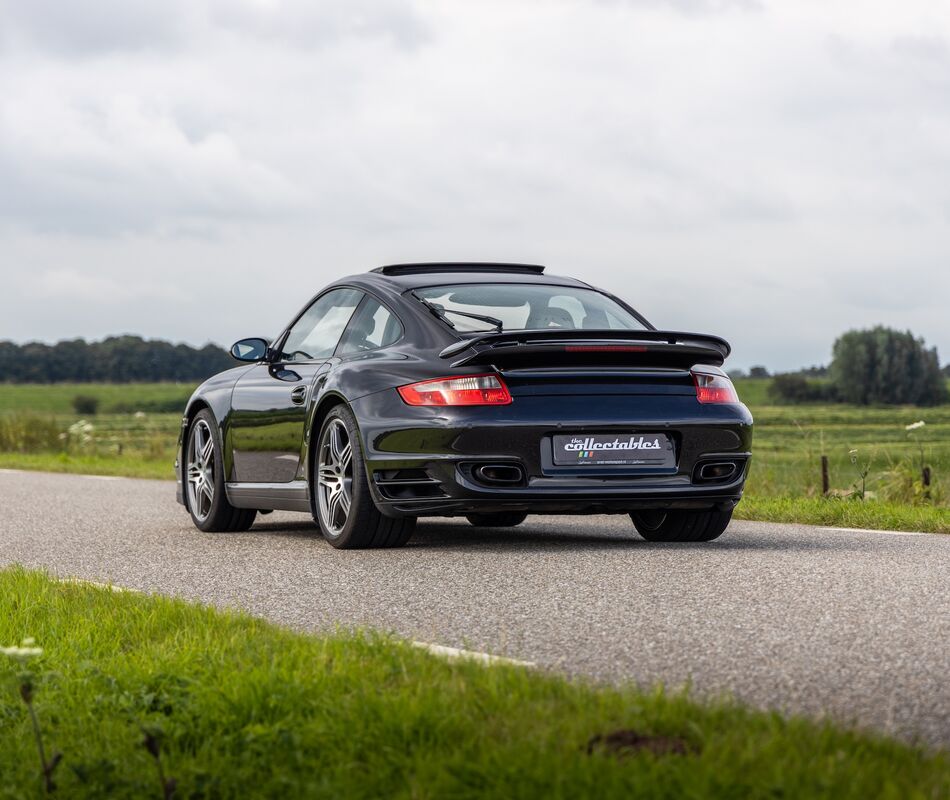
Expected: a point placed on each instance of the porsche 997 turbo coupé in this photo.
(489, 391)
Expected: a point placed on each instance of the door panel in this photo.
(271, 401)
(268, 412)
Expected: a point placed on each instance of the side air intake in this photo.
(407, 484)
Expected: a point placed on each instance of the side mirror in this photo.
(251, 350)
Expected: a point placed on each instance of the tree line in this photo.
(879, 366)
(876, 366)
(117, 359)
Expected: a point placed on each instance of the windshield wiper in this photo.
(441, 311)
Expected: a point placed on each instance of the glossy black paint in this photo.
(269, 413)
(425, 461)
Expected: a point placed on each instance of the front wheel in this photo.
(206, 499)
(681, 526)
(346, 513)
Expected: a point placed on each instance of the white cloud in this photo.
(97, 291)
(771, 171)
(105, 165)
(92, 28)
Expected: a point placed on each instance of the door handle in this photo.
(298, 395)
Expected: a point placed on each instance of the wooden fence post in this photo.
(825, 483)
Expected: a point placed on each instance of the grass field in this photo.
(790, 440)
(242, 708)
(784, 484)
(122, 397)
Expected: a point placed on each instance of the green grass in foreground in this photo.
(252, 710)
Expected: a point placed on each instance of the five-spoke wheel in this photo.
(335, 476)
(201, 470)
(345, 509)
(204, 480)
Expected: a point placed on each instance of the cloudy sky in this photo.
(774, 172)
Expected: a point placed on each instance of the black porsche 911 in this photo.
(490, 391)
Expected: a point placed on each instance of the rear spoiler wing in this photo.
(568, 346)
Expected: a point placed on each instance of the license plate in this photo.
(629, 449)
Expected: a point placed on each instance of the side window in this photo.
(372, 326)
(316, 333)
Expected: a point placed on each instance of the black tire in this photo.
(216, 514)
(364, 525)
(681, 526)
(499, 519)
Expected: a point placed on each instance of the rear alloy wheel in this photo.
(499, 519)
(204, 480)
(346, 513)
(681, 526)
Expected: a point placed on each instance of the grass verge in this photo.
(128, 466)
(246, 709)
(845, 513)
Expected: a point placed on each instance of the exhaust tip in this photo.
(499, 474)
(717, 470)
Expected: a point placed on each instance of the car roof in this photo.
(399, 278)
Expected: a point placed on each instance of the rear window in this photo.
(520, 306)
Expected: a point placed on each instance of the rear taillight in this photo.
(472, 390)
(713, 388)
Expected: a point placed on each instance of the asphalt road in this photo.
(855, 625)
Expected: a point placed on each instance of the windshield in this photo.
(518, 306)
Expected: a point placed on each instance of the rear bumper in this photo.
(424, 461)
(459, 498)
